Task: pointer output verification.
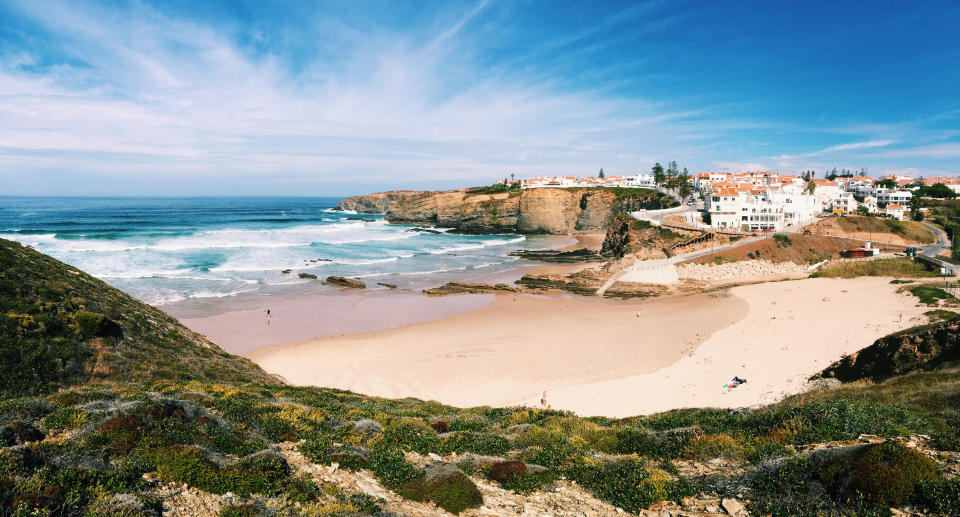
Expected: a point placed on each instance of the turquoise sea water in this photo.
(164, 250)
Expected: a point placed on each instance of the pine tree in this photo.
(658, 176)
(601, 173)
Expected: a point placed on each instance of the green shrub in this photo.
(886, 474)
(446, 486)
(487, 444)
(629, 484)
(528, 482)
(412, 435)
(67, 418)
(390, 467)
(786, 489)
(783, 240)
(664, 444)
(552, 456)
(257, 473)
(942, 496)
(714, 446)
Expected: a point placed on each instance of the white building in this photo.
(888, 196)
(845, 204)
(894, 211)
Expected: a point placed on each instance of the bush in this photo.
(783, 240)
(257, 473)
(501, 469)
(714, 446)
(886, 474)
(446, 486)
(941, 496)
(487, 444)
(665, 444)
(528, 482)
(628, 484)
(390, 467)
(68, 418)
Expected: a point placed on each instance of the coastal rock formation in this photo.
(469, 288)
(585, 282)
(920, 348)
(340, 281)
(559, 257)
(551, 211)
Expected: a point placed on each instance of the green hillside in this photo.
(112, 407)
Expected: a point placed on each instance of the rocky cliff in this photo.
(920, 348)
(553, 211)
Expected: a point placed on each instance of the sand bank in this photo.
(599, 357)
(514, 347)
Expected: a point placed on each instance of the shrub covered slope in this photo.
(174, 410)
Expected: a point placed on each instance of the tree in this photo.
(658, 176)
(811, 186)
(673, 170)
(601, 173)
(886, 183)
(938, 191)
(916, 202)
(684, 188)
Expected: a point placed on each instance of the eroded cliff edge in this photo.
(553, 211)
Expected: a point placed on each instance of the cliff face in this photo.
(920, 348)
(553, 211)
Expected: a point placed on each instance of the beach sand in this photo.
(598, 357)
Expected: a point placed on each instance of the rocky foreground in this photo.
(551, 211)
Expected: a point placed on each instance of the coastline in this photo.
(312, 309)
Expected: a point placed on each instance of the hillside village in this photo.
(770, 201)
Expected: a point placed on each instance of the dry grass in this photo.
(895, 267)
(802, 249)
(908, 230)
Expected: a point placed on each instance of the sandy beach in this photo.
(600, 357)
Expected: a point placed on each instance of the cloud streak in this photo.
(119, 97)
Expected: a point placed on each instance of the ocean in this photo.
(165, 250)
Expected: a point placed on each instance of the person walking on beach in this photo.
(543, 399)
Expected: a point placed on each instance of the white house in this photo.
(894, 211)
(844, 204)
(888, 196)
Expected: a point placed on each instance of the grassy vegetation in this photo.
(896, 267)
(496, 188)
(61, 327)
(930, 295)
(910, 230)
(72, 444)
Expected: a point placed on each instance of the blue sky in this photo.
(331, 98)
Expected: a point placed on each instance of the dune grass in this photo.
(895, 267)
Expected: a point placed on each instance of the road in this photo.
(943, 242)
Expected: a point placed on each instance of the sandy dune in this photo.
(600, 358)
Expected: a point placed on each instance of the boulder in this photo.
(388, 286)
(340, 281)
(308, 276)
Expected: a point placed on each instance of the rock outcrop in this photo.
(919, 348)
(551, 211)
(340, 281)
(469, 288)
(559, 257)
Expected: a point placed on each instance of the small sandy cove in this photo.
(598, 357)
